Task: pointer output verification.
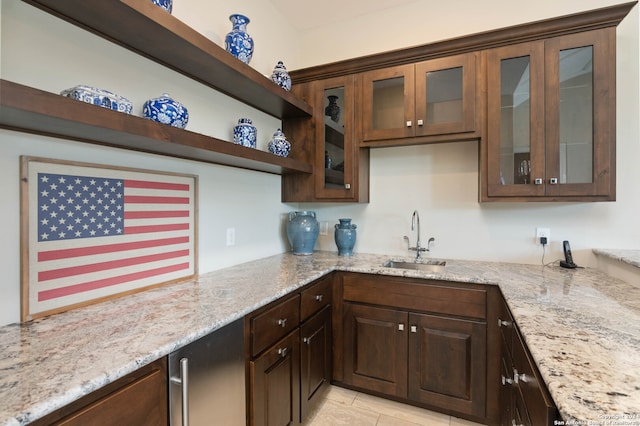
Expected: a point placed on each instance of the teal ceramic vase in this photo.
(345, 236)
(302, 231)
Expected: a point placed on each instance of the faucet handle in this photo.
(407, 240)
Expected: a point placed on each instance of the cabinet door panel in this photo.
(446, 95)
(515, 113)
(375, 349)
(447, 363)
(276, 384)
(388, 103)
(315, 359)
(579, 95)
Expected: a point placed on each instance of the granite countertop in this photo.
(632, 257)
(582, 328)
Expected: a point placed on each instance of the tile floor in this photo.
(346, 407)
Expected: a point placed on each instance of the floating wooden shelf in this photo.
(32, 110)
(148, 30)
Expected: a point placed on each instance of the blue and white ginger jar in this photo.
(279, 144)
(245, 133)
(238, 42)
(281, 77)
(165, 4)
(99, 97)
(166, 111)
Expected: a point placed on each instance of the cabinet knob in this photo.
(517, 378)
(537, 181)
(306, 340)
(282, 322)
(553, 181)
(513, 423)
(506, 380)
(420, 122)
(414, 329)
(401, 327)
(347, 186)
(503, 323)
(283, 352)
(319, 297)
(409, 123)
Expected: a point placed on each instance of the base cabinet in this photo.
(276, 383)
(446, 362)
(524, 398)
(138, 399)
(289, 355)
(426, 358)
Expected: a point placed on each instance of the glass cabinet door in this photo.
(445, 95)
(335, 150)
(388, 103)
(579, 98)
(515, 107)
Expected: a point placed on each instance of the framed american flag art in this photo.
(92, 232)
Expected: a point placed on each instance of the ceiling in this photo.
(319, 13)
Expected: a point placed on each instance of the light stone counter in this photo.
(582, 328)
(631, 257)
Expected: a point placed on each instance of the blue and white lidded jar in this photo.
(166, 111)
(245, 133)
(165, 4)
(279, 144)
(281, 77)
(238, 42)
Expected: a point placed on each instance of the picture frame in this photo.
(93, 232)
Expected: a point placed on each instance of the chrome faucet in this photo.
(415, 225)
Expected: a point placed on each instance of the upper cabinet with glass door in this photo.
(551, 119)
(430, 101)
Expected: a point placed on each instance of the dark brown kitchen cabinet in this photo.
(524, 398)
(446, 359)
(289, 360)
(375, 349)
(420, 341)
(137, 399)
(330, 142)
(430, 100)
(551, 119)
(315, 360)
(275, 377)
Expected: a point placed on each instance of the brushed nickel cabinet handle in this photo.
(282, 322)
(319, 297)
(283, 352)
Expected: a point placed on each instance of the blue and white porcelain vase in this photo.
(165, 4)
(281, 77)
(279, 144)
(302, 231)
(245, 133)
(345, 236)
(166, 111)
(238, 42)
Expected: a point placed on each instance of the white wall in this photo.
(441, 180)
(42, 51)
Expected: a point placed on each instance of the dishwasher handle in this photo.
(183, 381)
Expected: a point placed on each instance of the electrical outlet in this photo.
(231, 236)
(324, 228)
(543, 233)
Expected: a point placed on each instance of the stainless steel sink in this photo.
(429, 266)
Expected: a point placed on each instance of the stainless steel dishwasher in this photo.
(207, 380)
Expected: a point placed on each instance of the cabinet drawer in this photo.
(315, 298)
(274, 323)
(539, 405)
(506, 325)
(419, 295)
